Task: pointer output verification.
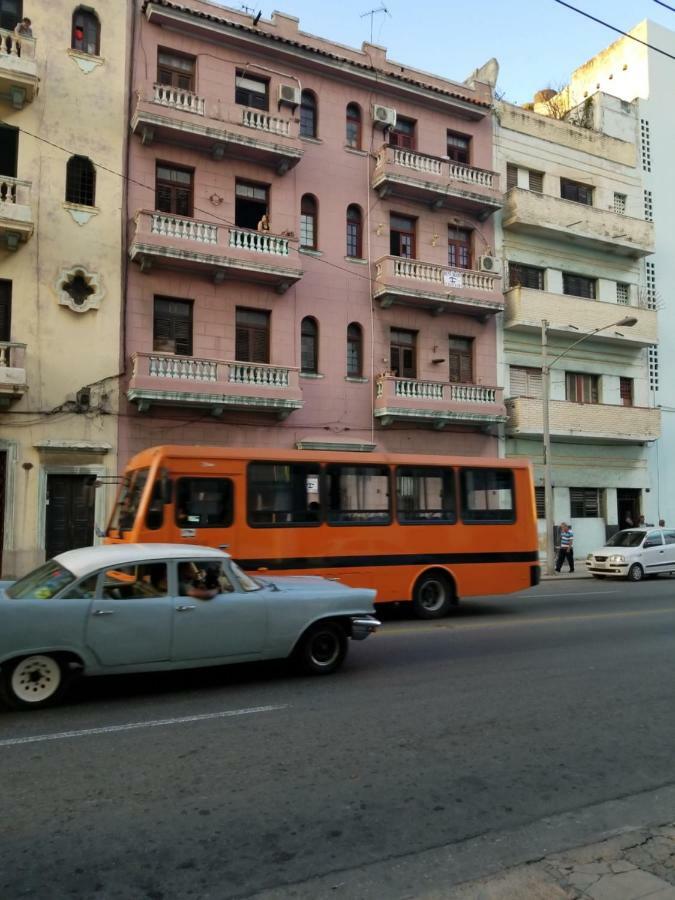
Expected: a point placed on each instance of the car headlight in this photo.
(589, 557)
(617, 559)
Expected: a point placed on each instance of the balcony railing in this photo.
(435, 180)
(214, 383)
(177, 98)
(262, 121)
(18, 68)
(226, 251)
(412, 282)
(601, 423)
(16, 214)
(438, 403)
(12, 372)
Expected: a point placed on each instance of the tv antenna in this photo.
(372, 13)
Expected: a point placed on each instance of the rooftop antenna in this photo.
(372, 13)
(248, 9)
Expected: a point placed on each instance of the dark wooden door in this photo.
(70, 513)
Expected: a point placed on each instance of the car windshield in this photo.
(247, 583)
(626, 539)
(42, 583)
(128, 501)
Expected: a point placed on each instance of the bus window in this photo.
(283, 494)
(154, 517)
(126, 508)
(425, 495)
(358, 495)
(204, 503)
(487, 495)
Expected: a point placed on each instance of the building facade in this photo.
(574, 239)
(633, 69)
(63, 101)
(310, 241)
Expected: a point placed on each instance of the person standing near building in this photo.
(566, 551)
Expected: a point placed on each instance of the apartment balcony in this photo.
(224, 253)
(599, 229)
(16, 214)
(18, 69)
(600, 423)
(221, 129)
(439, 183)
(213, 384)
(525, 309)
(12, 373)
(410, 282)
(437, 403)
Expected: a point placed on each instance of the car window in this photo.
(42, 583)
(669, 537)
(246, 581)
(135, 582)
(203, 579)
(653, 539)
(83, 590)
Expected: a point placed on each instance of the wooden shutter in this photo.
(460, 357)
(172, 326)
(536, 180)
(5, 311)
(626, 391)
(511, 176)
(252, 336)
(525, 382)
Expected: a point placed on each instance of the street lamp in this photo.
(626, 322)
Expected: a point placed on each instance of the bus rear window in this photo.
(283, 494)
(358, 495)
(425, 495)
(204, 503)
(487, 496)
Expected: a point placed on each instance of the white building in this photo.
(573, 237)
(634, 72)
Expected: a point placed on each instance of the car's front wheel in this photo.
(322, 649)
(33, 682)
(636, 572)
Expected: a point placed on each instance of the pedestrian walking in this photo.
(566, 550)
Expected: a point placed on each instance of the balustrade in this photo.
(261, 375)
(262, 121)
(14, 45)
(183, 368)
(258, 242)
(14, 191)
(442, 276)
(177, 98)
(10, 353)
(185, 229)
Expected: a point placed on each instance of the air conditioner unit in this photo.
(384, 116)
(289, 93)
(490, 264)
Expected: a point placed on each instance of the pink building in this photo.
(366, 315)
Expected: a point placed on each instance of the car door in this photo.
(669, 538)
(130, 619)
(653, 553)
(213, 617)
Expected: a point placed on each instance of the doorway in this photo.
(9, 150)
(251, 203)
(628, 506)
(70, 513)
(11, 12)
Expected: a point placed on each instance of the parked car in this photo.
(150, 607)
(634, 553)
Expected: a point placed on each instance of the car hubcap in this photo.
(325, 649)
(432, 595)
(36, 678)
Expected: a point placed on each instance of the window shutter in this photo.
(258, 344)
(536, 180)
(5, 310)
(242, 344)
(511, 176)
(518, 379)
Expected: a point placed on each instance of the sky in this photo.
(537, 42)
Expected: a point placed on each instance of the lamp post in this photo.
(626, 322)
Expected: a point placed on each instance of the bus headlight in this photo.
(615, 560)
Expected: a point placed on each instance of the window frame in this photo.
(461, 356)
(518, 269)
(76, 177)
(189, 304)
(626, 391)
(581, 501)
(242, 92)
(309, 322)
(532, 373)
(90, 17)
(401, 347)
(309, 218)
(173, 188)
(176, 73)
(456, 150)
(309, 112)
(584, 192)
(354, 227)
(410, 235)
(253, 329)
(353, 118)
(404, 140)
(581, 281)
(460, 248)
(487, 519)
(579, 378)
(356, 523)
(359, 349)
(446, 472)
(318, 471)
(208, 478)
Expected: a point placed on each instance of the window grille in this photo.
(623, 294)
(645, 146)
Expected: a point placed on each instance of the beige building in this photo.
(63, 108)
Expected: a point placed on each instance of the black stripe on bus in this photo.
(407, 559)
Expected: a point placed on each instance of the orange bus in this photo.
(424, 529)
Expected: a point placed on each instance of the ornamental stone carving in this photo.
(79, 289)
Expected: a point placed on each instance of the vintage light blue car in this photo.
(148, 607)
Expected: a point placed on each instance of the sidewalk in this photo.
(579, 572)
(636, 865)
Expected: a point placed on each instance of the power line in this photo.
(661, 3)
(582, 12)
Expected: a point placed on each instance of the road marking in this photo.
(577, 594)
(511, 623)
(130, 726)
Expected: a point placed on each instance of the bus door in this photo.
(204, 508)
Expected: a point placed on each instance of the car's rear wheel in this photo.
(33, 682)
(636, 572)
(433, 596)
(322, 649)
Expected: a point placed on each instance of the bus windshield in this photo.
(128, 501)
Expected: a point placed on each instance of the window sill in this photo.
(86, 61)
(80, 213)
(356, 379)
(307, 251)
(355, 151)
(357, 259)
(310, 140)
(314, 375)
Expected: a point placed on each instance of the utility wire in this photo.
(661, 3)
(582, 12)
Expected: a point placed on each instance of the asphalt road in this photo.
(491, 726)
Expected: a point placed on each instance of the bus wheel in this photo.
(433, 596)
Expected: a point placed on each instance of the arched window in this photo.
(354, 231)
(86, 32)
(81, 181)
(308, 114)
(309, 346)
(354, 126)
(354, 350)
(308, 222)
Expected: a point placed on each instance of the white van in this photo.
(634, 553)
